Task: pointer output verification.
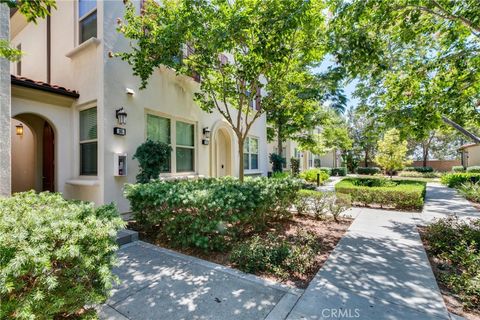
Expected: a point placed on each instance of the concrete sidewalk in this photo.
(161, 284)
(330, 185)
(379, 270)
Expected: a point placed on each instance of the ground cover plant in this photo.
(470, 191)
(418, 174)
(384, 193)
(55, 256)
(310, 175)
(453, 246)
(454, 180)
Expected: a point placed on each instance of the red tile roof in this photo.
(40, 85)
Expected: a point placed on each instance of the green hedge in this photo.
(340, 171)
(418, 169)
(473, 169)
(210, 213)
(55, 256)
(455, 179)
(458, 169)
(398, 194)
(310, 175)
(368, 170)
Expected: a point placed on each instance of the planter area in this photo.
(250, 226)
(384, 193)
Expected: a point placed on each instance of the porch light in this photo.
(121, 116)
(206, 133)
(19, 129)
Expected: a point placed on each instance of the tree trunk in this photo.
(241, 173)
(279, 140)
(366, 158)
(425, 156)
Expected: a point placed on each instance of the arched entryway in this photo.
(223, 153)
(33, 153)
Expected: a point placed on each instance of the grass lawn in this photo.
(400, 194)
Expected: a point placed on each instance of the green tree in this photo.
(392, 152)
(263, 40)
(32, 10)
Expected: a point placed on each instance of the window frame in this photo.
(173, 142)
(82, 18)
(80, 141)
(248, 154)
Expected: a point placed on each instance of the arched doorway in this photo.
(33, 153)
(223, 153)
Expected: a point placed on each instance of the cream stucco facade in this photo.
(102, 82)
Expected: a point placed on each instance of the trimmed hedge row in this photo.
(453, 180)
(340, 171)
(419, 169)
(55, 256)
(368, 170)
(210, 213)
(397, 194)
(458, 169)
(473, 169)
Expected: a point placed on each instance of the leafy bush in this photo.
(368, 170)
(340, 171)
(326, 170)
(55, 255)
(456, 244)
(470, 190)
(317, 163)
(210, 213)
(415, 174)
(295, 166)
(277, 162)
(458, 169)
(456, 179)
(280, 175)
(398, 194)
(276, 255)
(310, 175)
(418, 169)
(319, 204)
(151, 156)
(473, 169)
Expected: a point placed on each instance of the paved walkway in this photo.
(330, 185)
(379, 270)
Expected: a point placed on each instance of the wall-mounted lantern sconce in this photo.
(206, 136)
(121, 116)
(19, 129)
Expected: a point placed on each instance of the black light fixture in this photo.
(206, 133)
(121, 116)
(19, 129)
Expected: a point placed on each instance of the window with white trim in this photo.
(250, 154)
(87, 20)
(158, 129)
(185, 146)
(88, 142)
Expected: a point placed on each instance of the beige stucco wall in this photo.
(473, 156)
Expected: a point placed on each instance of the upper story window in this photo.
(250, 154)
(88, 142)
(87, 20)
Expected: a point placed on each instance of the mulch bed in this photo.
(453, 303)
(327, 232)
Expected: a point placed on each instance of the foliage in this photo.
(418, 169)
(280, 175)
(319, 204)
(240, 50)
(310, 175)
(31, 10)
(470, 190)
(453, 180)
(415, 174)
(277, 162)
(55, 255)
(351, 159)
(392, 152)
(295, 166)
(210, 213)
(473, 169)
(458, 169)
(455, 243)
(327, 170)
(368, 170)
(339, 172)
(276, 255)
(151, 156)
(397, 194)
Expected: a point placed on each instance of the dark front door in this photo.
(48, 158)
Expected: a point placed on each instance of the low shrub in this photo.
(276, 255)
(55, 256)
(327, 170)
(151, 156)
(455, 244)
(453, 180)
(470, 190)
(473, 169)
(277, 162)
(458, 169)
(397, 194)
(310, 175)
(280, 175)
(210, 213)
(368, 170)
(418, 169)
(340, 171)
(319, 204)
(295, 166)
(415, 174)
